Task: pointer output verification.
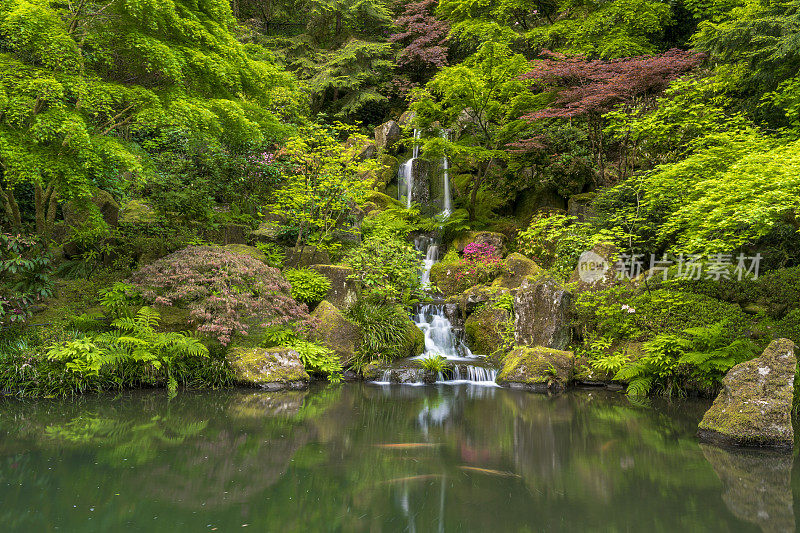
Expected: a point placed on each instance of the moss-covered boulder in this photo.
(343, 291)
(580, 205)
(498, 240)
(537, 369)
(387, 134)
(755, 404)
(75, 214)
(414, 341)
(268, 368)
(542, 309)
(595, 270)
(518, 268)
(484, 329)
(137, 211)
(243, 249)
(381, 200)
(305, 256)
(336, 332)
(451, 278)
(266, 232)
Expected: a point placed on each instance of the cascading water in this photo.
(405, 175)
(448, 200)
(440, 336)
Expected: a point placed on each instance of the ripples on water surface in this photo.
(366, 458)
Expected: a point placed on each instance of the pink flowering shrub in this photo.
(481, 263)
(226, 292)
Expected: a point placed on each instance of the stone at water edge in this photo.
(542, 308)
(755, 404)
(268, 368)
(537, 369)
(336, 332)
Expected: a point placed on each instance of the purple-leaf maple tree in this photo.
(589, 88)
(422, 37)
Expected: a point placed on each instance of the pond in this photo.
(362, 457)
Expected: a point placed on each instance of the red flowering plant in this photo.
(227, 293)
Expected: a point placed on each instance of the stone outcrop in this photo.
(756, 486)
(75, 214)
(484, 330)
(343, 292)
(580, 206)
(336, 332)
(387, 134)
(498, 240)
(542, 308)
(755, 404)
(537, 369)
(596, 269)
(268, 368)
(304, 256)
(518, 268)
(266, 232)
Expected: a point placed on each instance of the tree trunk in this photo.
(11, 208)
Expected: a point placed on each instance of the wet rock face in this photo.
(387, 134)
(542, 307)
(336, 332)
(756, 486)
(537, 369)
(421, 187)
(484, 330)
(754, 406)
(271, 369)
(342, 293)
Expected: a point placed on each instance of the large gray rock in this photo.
(271, 369)
(580, 206)
(537, 369)
(756, 486)
(387, 134)
(343, 291)
(542, 309)
(336, 332)
(421, 187)
(266, 232)
(755, 404)
(304, 256)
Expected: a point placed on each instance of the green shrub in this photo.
(317, 359)
(384, 329)
(627, 312)
(308, 286)
(387, 269)
(779, 290)
(698, 357)
(433, 363)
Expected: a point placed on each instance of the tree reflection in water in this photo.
(368, 458)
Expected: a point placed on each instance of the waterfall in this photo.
(405, 175)
(448, 200)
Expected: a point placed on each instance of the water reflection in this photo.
(756, 486)
(368, 458)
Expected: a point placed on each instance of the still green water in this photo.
(359, 457)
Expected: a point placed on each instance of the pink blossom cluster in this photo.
(227, 293)
(482, 252)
